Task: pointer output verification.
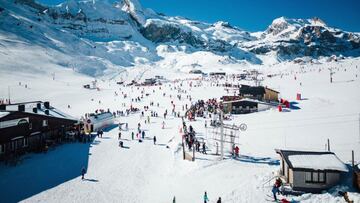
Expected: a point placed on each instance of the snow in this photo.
(159, 173)
(156, 173)
(318, 162)
(3, 114)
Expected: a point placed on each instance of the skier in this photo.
(219, 200)
(163, 125)
(206, 199)
(278, 184)
(143, 134)
(83, 171)
(174, 201)
(237, 151)
(274, 190)
(204, 148)
(119, 136)
(154, 140)
(132, 135)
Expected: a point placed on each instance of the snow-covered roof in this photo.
(312, 160)
(3, 113)
(100, 117)
(240, 100)
(318, 162)
(29, 106)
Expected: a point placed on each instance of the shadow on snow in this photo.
(40, 172)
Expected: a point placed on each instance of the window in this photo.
(315, 177)
(2, 149)
(308, 177)
(25, 142)
(322, 177)
(45, 123)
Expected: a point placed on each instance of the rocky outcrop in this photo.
(292, 38)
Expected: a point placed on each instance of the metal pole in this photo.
(183, 148)
(222, 135)
(193, 158)
(9, 94)
(352, 159)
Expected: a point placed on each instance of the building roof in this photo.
(241, 100)
(312, 160)
(3, 113)
(100, 117)
(272, 90)
(29, 106)
(246, 89)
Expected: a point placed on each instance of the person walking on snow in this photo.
(132, 135)
(163, 125)
(119, 136)
(154, 140)
(206, 199)
(219, 200)
(204, 148)
(83, 171)
(143, 134)
(274, 190)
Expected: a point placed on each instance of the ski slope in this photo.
(157, 173)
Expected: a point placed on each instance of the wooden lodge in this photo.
(259, 93)
(217, 74)
(244, 106)
(310, 171)
(31, 126)
(356, 176)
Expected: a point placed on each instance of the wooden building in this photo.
(357, 176)
(244, 106)
(150, 81)
(271, 95)
(30, 126)
(259, 92)
(240, 106)
(217, 74)
(310, 171)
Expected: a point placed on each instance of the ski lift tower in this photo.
(228, 133)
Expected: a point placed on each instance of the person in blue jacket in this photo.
(206, 199)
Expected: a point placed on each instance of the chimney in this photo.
(21, 107)
(35, 110)
(47, 112)
(47, 105)
(3, 107)
(38, 105)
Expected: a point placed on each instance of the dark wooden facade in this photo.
(30, 132)
(357, 176)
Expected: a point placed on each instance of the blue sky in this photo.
(256, 15)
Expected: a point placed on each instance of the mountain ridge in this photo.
(124, 34)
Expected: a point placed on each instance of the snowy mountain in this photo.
(291, 38)
(101, 38)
